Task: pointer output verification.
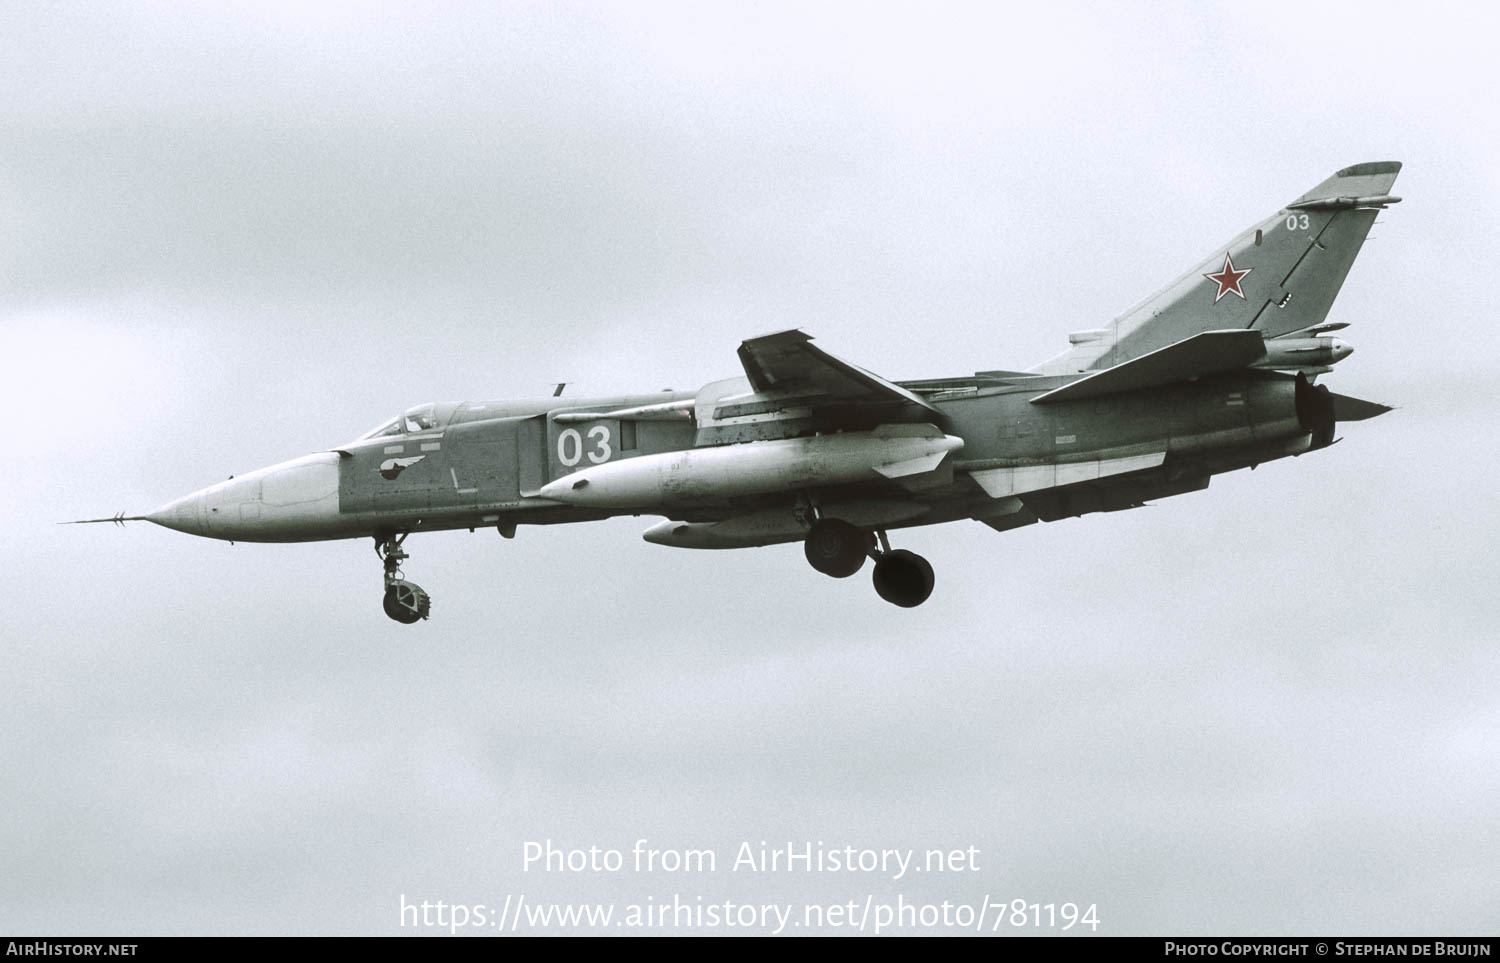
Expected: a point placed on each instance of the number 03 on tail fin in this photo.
(1215, 372)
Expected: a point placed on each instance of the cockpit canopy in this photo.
(418, 418)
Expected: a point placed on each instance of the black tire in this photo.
(836, 548)
(405, 603)
(903, 578)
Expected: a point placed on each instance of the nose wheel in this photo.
(404, 601)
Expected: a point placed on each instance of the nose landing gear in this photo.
(404, 601)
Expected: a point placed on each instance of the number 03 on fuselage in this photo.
(1215, 372)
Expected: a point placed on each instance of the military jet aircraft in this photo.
(1214, 373)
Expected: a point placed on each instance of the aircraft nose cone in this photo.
(295, 500)
(1341, 349)
(183, 515)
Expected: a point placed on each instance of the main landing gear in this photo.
(404, 601)
(837, 548)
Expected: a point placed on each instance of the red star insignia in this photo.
(1229, 279)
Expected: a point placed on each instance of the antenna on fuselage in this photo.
(557, 391)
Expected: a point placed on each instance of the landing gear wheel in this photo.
(903, 578)
(406, 602)
(836, 548)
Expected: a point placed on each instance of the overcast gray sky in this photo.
(234, 233)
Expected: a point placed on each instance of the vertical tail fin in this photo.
(1278, 276)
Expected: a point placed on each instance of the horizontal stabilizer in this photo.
(1346, 408)
(1208, 353)
(1005, 482)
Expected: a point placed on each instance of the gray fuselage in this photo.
(482, 465)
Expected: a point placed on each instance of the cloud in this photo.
(236, 234)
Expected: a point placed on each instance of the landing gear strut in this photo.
(837, 548)
(404, 601)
